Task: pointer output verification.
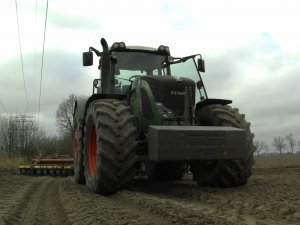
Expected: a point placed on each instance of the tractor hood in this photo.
(170, 91)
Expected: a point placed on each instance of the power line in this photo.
(20, 49)
(34, 60)
(45, 28)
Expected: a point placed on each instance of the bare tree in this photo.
(260, 146)
(20, 136)
(291, 141)
(64, 120)
(279, 144)
(64, 115)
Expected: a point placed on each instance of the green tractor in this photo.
(149, 114)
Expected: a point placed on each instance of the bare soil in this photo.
(272, 196)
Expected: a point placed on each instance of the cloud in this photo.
(63, 75)
(263, 81)
(63, 21)
(177, 15)
(252, 54)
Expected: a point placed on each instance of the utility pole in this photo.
(20, 125)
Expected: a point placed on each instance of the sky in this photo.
(251, 50)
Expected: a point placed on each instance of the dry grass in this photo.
(277, 161)
(10, 166)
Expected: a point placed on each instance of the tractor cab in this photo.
(126, 63)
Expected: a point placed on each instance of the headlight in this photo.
(164, 111)
(122, 45)
(118, 46)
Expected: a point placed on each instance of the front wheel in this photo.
(224, 173)
(109, 146)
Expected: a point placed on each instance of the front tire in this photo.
(224, 173)
(109, 146)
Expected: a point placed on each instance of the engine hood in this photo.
(170, 91)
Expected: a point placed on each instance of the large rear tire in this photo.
(109, 146)
(78, 151)
(224, 173)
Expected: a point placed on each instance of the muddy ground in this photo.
(272, 196)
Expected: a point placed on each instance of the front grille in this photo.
(170, 91)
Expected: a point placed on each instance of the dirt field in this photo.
(272, 196)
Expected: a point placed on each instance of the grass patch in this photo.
(10, 165)
(277, 161)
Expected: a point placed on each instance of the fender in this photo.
(82, 103)
(211, 101)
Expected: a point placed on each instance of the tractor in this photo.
(149, 114)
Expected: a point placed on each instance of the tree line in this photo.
(280, 144)
(21, 135)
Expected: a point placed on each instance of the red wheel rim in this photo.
(92, 150)
(76, 145)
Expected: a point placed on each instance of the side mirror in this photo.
(87, 58)
(201, 65)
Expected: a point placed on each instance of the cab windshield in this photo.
(128, 65)
(188, 68)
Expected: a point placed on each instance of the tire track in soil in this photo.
(166, 202)
(270, 197)
(84, 207)
(204, 205)
(183, 202)
(13, 191)
(40, 205)
(138, 207)
(268, 201)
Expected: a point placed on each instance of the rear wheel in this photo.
(224, 173)
(78, 151)
(109, 146)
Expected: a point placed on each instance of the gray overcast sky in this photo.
(251, 48)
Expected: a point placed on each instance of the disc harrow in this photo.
(50, 165)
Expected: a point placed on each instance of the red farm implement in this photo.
(50, 165)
